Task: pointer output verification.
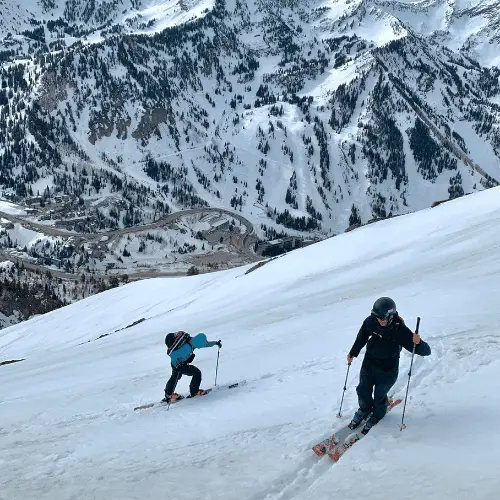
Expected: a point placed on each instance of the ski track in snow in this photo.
(295, 482)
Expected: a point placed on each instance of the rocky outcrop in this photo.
(149, 123)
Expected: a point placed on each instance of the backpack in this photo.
(181, 339)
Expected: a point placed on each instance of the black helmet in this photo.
(169, 339)
(385, 309)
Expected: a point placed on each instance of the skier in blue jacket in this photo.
(180, 347)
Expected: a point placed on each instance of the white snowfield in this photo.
(67, 425)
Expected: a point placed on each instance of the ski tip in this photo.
(335, 455)
(237, 384)
(229, 386)
(143, 407)
(394, 403)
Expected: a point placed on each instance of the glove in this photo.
(219, 343)
(191, 358)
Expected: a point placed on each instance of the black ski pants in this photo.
(177, 373)
(375, 381)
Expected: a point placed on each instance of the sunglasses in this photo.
(390, 314)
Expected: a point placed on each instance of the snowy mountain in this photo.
(68, 428)
(471, 26)
(62, 16)
(305, 116)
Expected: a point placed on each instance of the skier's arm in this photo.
(360, 342)
(212, 343)
(200, 341)
(422, 348)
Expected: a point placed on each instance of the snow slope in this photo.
(11, 208)
(68, 429)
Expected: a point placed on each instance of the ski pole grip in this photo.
(418, 324)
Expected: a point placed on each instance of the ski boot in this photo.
(369, 424)
(358, 417)
(201, 392)
(172, 398)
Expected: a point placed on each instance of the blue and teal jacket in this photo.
(181, 355)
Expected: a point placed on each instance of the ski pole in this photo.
(339, 414)
(217, 367)
(403, 425)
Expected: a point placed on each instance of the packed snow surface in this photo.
(68, 429)
(11, 208)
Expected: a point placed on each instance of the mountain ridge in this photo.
(267, 107)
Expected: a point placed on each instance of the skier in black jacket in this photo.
(384, 334)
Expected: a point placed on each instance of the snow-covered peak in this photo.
(469, 25)
(362, 18)
(159, 15)
(77, 18)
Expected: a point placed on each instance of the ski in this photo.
(352, 438)
(328, 444)
(158, 404)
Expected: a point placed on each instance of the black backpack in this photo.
(181, 338)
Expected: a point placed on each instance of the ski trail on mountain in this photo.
(296, 481)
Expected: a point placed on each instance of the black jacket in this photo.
(383, 344)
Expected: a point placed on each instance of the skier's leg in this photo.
(365, 387)
(383, 383)
(194, 372)
(364, 390)
(172, 382)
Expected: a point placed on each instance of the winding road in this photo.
(240, 242)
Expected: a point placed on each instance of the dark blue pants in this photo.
(374, 384)
(177, 373)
